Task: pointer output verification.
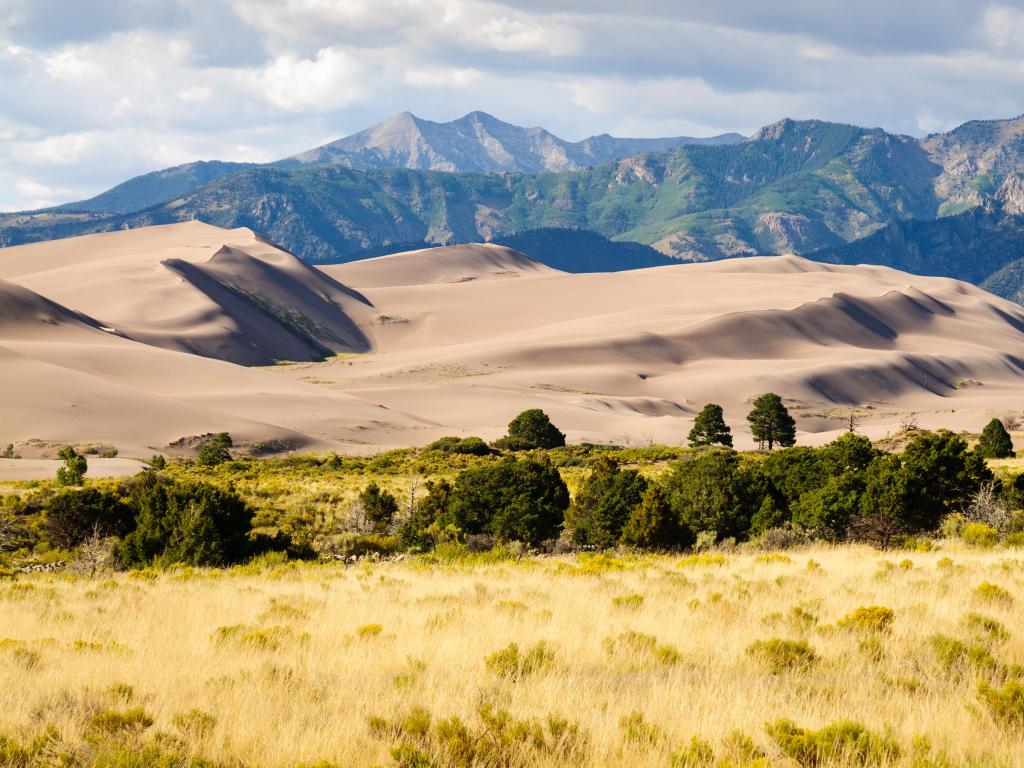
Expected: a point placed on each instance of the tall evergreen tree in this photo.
(379, 507)
(995, 442)
(604, 503)
(531, 429)
(74, 469)
(653, 525)
(709, 428)
(771, 423)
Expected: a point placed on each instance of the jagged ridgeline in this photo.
(794, 186)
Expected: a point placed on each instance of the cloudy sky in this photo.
(95, 91)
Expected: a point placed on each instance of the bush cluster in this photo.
(148, 519)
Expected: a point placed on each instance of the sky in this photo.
(97, 91)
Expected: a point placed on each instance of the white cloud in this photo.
(65, 149)
(443, 77)
(195, 94)
(36, 195)
(1004, 27)
(331, 80)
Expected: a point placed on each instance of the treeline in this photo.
(513, 491)
(144, 520)
(844, 491)
(847, 490)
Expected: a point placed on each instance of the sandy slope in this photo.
(196, 288)
(460, 339)
(453, 264)
(64, 379)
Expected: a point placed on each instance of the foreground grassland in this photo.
(639, 661)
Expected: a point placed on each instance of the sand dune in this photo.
(199, 289)
(452, 264)
(96, 335)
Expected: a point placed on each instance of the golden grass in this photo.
(286, 666)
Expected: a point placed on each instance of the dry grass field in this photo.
(639, 661)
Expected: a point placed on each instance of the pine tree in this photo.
(379, 507)
(653, 525)
(74, 469)
(995, 442)
(531, 429)
(215, 450)
(771, 423)
(709, 428)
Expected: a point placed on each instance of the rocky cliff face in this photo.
(1011, 194)
(975, 159)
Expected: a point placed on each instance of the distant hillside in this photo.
(984, 245)
(794, 187)
(580, 250)
(157, 187)
(476, 142)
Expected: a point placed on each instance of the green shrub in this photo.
(653, 525)
(715, 491)
(72, 515)
(113, 721)
(844, 742)
(496, 738)
(697, 754)
(379, 507)
(74, 469)
(636, 730)
(369, 630)
(783, 655)
(1015, 540)
(957, 657)
(985, 627)
(468, 446)
(510, 662)
(512, 500)
(741, 751)
(995, 442)
(628, 602)
(638, 647)
(872, 618)
(604, 503)
(189, 523)
(531, 429)
(979, 535)
(262, 638)
(1006, 704)
(993, 593)
(195, 723)
(215, 450)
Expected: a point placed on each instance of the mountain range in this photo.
(811, 187)
(477, 142)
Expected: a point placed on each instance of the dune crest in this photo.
(229, 295)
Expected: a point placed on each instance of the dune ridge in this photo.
(142, 337)
(229, 295)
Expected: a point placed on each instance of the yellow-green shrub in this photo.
(845, 742)
(871, 618)
(1006, 704)
(979, 535)
(510, 662)
(993, 593)
(781, 655)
